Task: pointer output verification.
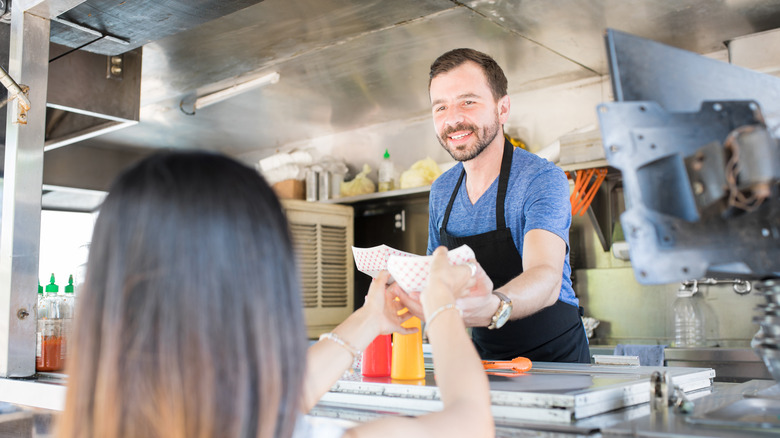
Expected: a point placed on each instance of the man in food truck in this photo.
(512, 208)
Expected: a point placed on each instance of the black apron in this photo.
(553, 334)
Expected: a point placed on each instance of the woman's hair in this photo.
(457, 57)
(189, 322)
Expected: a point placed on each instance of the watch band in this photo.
(502, 313)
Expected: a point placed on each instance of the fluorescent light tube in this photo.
(235, 90)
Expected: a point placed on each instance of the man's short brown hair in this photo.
(457, 57)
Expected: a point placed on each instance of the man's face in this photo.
(466, 116)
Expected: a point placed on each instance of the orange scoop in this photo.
(518, 364)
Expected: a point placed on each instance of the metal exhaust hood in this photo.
(94, 82)
(90, 94)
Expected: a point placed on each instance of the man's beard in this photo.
(484, 138)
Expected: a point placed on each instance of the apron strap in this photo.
(454, 195)
(503, 183)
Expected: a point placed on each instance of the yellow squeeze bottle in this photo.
(407, 361)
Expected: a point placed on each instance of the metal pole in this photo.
(20, 224)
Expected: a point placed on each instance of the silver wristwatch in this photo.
(502, 313)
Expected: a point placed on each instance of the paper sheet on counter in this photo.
(409, 270)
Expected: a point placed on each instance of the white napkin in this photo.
(409, 270)
(373, 260)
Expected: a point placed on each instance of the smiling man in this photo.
(512, 208)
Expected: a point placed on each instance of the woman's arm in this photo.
(327, 359)
(462, 381)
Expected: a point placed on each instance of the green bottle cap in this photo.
(40, 288)
(51, 287)
(387, 155)
(69, 287)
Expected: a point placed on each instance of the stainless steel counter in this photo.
(723, 410)
(719, 411)
(577, 399)
(731, 410)
(730, 364)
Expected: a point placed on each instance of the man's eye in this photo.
(468, 102)
(440, 108)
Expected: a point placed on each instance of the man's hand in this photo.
(482, 283)
(480, 304)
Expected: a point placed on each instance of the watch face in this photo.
(503, 317)
(503, 312)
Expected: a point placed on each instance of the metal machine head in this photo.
(693, 138)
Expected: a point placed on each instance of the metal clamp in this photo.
(659, 391)
(664, 393)
(741, 287)
(16, 92)
(680, 402)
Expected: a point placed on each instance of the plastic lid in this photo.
(40, 288)
(69, 287)
(387, 155)
(51, 287)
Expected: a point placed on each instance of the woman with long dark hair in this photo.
(190, 321)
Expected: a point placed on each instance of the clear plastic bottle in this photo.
(386, 173)
(40, 313)
(689, 320)
(67, 306)
(40, 295)
(49, 356)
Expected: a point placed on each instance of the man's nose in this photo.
(453, 116)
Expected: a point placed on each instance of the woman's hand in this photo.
(383, 308)
(446, 282)
(410, 300)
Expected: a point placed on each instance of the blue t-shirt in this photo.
(537, 198)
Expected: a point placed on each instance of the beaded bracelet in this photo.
(438, 312)
(346, 345)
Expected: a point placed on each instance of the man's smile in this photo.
(459, 135)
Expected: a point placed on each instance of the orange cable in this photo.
(579, 187)
(588, 199)
(579, 183)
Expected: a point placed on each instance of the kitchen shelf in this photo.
(378, 195)
(584, 165)
(427, 188)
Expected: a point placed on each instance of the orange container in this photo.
(407, 362)
(376, 357)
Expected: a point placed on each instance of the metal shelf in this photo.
(47, 391)
(584, 165)
(378, 195)
(425, 189)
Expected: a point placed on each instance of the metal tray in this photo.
(550, 392)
